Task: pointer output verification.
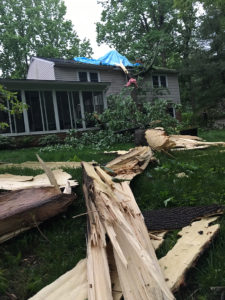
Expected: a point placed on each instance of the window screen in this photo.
(155, 81)
(83, 76)
(48, 110)
(163, 81)
(63, 109)
(4, 117)
(76, 110)
(88, 106)
(98, 102)
(93, 77)
(34, 111)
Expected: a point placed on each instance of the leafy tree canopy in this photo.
(35, 27)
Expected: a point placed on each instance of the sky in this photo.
(84, 14)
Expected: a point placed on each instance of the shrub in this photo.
(96, 139)
(7, 142)
(47, 140)
(123, 113)
(25, 141)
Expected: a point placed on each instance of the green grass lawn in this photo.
(29, 262)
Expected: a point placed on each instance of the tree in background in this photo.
(138, 28)
(188, 35)
(35, 27)
(9, 104)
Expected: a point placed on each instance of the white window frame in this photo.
(58, 129)
(159, 81)
(88, 75)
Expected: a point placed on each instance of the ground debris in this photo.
(159, 140)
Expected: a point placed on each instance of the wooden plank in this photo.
(194, 239)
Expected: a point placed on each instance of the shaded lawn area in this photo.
(29, 262)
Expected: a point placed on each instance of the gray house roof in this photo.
(70, 63)
(53, 84)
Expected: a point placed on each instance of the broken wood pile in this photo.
(158, 140)
(121, 259)
(194, 239)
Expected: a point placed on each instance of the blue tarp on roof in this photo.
(112, 58)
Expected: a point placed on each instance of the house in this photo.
(59, 92)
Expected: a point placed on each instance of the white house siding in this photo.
(172, 93)
(41, 69)
(117, 79)
(66, 74)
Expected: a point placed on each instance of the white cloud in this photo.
(84, 14)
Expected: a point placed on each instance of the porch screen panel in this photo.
(88, 106)
(98, 102)
(49, 113)
(4, 117)
(18, 119)
(64, 110)
(34, 110)
(76, 110)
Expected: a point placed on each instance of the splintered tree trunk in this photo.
(112, 209)
(26, 208)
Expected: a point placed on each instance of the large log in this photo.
(26, 208)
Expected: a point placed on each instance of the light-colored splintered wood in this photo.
(173, 261)
(159, 140)
(118, 152)
(182, 256)
(131, 164)
(157, 239)
(49, 173)
(70, 286)
(138, 269)
(16, 182)
(99, 283)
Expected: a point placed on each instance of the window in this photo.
(83, 76)
(34, 111)
(4, 117)
(64, 110)
(159, 81)
(98, 102)
(88, 106)
(76, 110)
(93, 77)
(155, 81)
(48, 110)
(88, 76)
(15, 122)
